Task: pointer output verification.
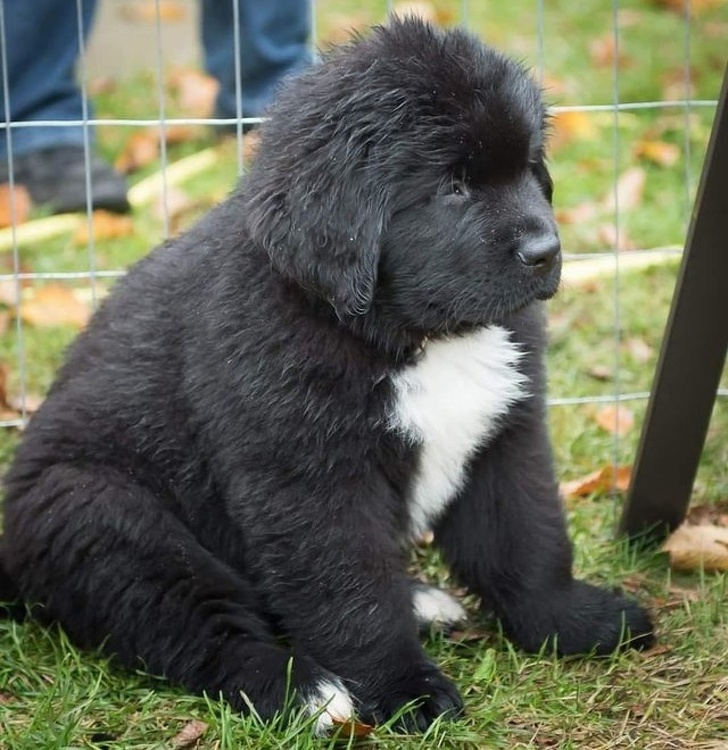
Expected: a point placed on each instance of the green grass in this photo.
(53, 696)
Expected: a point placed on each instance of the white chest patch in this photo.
(451, 402)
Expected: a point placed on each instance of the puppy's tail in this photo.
(10, 604)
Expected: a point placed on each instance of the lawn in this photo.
(676, 696)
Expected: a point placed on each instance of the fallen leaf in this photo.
(715, 514)
(570, 126)
(28, 403)
(639, 350)
(698, 547)
(15, 205)
(352, 728)
(189, 735)
(603, 52)
(146, 11)
(9, 290)
(603, 373)
(102, 85)
(578, 214)
(678, 83)
(196, 92)
(658, 650)
(609, 235)
(615, 419)
(662, 153)
(425, 11)
(53, 305)
(629, 190)
(6, 697)
(693, 6)
(600, 481)
(471, 635)
(106, 226)
(141, 149)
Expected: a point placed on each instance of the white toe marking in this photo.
(436, 607)
(329, 701)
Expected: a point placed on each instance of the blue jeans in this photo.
(42, 45)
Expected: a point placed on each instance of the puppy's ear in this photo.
(318, 209)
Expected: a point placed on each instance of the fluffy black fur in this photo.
(213, 467)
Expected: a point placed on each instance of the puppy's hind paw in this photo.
(329, 701)
(435, 607)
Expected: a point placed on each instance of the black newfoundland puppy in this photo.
(223, 480)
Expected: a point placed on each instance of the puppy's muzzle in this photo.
(540, 254)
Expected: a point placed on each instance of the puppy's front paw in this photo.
(580, 619)
(423, 686)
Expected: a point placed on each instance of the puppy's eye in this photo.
(459, 188)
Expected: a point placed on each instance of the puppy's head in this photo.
(407, 173)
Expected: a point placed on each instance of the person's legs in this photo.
(273, 44)
(40, 47)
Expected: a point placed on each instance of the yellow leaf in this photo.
(662, 153)
(53, 305)
(696, 547)
(570, 126)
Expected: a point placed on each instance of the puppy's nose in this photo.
(540, 253)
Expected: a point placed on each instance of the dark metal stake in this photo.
(692, 357)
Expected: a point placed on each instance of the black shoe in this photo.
(56, 177)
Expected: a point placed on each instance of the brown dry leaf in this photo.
(615, 418)
(678, 84)
(352, 728)
(173, 203)
(658, 650)
(696, 547)
(144, 146)
(141, 149)
(471, 635)
(189, 735)
(629, 190)
(54, 305)
(662, 153)
(602, 373)
(603, 51)
(695, 6)
(715, 514)
(570, 126)
(196, 91)
(145, 11)
(578, 214)
(8, 292)
(6, 697)
(598, 482)
(14, 206)
(607, 234)
(639, 350)
(31, 402)
(106, 226)
(101, 85)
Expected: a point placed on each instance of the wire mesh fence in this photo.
(614, 80)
